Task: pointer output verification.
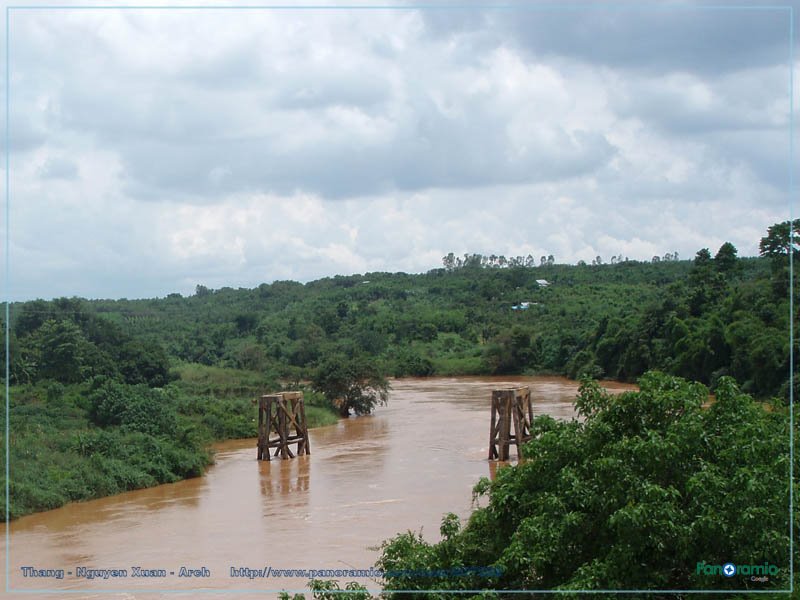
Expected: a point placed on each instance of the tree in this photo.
(329, 590)
(24, 357)
(412, 363)
(702, 258)
(637, 494)
(31, 316)
(63, 350)
(351, 384)
(134, 408)
(725, 260)
(703, 350)
(141, 362)
(511, 351)
(704, 282)
(245, 323)
(775, 244)
(251, 356)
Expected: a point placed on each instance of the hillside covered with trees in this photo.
(96, 382)
(113, 395)
(715, 315)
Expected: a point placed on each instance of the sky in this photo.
(151, 151)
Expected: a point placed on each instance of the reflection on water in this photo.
(367, 479)
(284, 478)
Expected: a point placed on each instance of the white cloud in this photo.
(154, 150)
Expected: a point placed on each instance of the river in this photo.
(367, 479)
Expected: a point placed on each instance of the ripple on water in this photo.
(366, 480)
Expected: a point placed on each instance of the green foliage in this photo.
(457, 322)
(704, 319)
(775, 245)
(726, 260)
(134, 408)
(79, 441)
(633, 496)
(351, 383)
(201, 380)
(62, 351)
(63, 341)
(724, 320)
(613, 320)
(412, 363)
(330, 590)
(512, 351)
(139, 362)
(58, 456)
(318, 416)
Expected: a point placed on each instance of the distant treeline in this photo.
(701, 319)
(493, 261)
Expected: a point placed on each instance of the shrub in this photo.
(647, 486)
(135, 408)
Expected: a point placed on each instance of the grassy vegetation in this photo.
(320, 416)
(81, 441)
(701, 319)
(218, 382)
(97, 409)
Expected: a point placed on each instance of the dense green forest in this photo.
(112, 395)
(701, 319)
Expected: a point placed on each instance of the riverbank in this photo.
(367, 479)
(79, 442)
(60, 454)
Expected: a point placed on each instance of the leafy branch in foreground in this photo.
(330, 590)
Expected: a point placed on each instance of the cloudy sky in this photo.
(154, 150)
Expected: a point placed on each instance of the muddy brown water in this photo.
(367, 479)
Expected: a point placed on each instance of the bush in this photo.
(330, 590)
(649, 485)
(318, 416)
(135, 408)
(413, 364)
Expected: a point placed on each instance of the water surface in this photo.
(367, 479)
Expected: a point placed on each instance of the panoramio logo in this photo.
(730, 569)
